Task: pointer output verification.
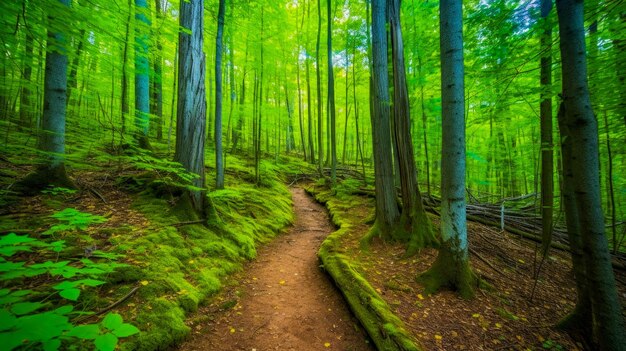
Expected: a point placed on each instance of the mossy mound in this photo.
(384, 328)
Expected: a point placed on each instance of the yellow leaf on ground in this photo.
(144, 282)
(232, 330)
(326, 344)
(419, 296)
(282, 282)
(476, 315)
(438, 337)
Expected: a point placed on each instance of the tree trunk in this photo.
(219, 154)
(331, 98)
(191, 113)
(451, 268)
(415, 227)
(26, 110)
(125, 105)
(157, 85)
(52, 136)
(142, 73)
(320, 147)
(579, 125)
(387, 213)
(547, 163)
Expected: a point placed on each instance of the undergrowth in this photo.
(169, 267)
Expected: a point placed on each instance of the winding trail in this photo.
(286, 302)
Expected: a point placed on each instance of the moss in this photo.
(186, 264)
(384, 328)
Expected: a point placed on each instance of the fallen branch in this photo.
(110, 307)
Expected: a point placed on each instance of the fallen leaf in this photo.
(438, 337)
(419, 296)
(232, 330)
(326, 344)
(144, 282)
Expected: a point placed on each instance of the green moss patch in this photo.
(385, 329)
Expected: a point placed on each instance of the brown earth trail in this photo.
(285, 301)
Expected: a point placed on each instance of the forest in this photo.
(313, 175)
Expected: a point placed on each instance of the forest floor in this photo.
(282, 300)
(519, 312)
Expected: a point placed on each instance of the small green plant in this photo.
(552, 345)
(72, 220)
(55, 190)
(29, 319)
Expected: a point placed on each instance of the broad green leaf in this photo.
(7, 320)
(105, 342)
(125, 330)
(112, 321)
(87, 332)
(64, 309)
(70, 294)
(25, 307)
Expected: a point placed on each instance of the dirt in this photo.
(283, 300)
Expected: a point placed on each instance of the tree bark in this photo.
(142, 73)
(387, 213)
(331, 98)
(191, 112)
(415, 227)
(547, 162)
(451, 268)
(219, 154)
(579, 125)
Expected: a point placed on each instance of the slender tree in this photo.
(579, 132)
(52, 136)
(331, 96)
(387, 213)
(157, 83)
(219, 154)
(142, 73)
(320, 148)
(415, 227)
(547, 163)
(191, 120)
(451, 268)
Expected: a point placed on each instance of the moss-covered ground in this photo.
(383, 326)
(172, 265)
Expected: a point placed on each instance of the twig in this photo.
(179, 224)
(487, 262)
(93, 191)
(111, 306)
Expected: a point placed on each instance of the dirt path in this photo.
(287, 302)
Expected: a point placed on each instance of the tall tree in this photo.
(142, 73)
(191, 120)
(320, 148)
(451, 268)
(387, 213)
(219, 153)
(545, 113)
(415, 227)
(579, 132)
(331, 96)
(157, 83)
(52, 136)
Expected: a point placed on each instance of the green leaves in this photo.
(73, 220)
(22, 324)
(106, 342)
(70, 290)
